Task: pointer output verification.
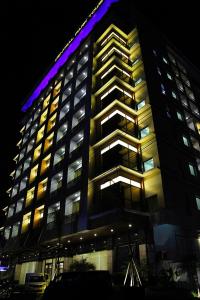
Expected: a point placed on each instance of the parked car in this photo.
(35, 283)
(89, 284)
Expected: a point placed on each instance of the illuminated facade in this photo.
(109, 154)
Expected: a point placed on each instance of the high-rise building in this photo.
(109, 154)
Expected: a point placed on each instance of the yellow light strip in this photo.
(114, 66)
(117, 112)
(114, 34)
(115, 87)
(118, 142)
(112, 50)
(120, 179)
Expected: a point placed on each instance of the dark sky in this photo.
(33, 32)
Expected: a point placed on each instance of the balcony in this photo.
(118, 155)
(118, 122)
(118, 195)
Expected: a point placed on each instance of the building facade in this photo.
(109, 154)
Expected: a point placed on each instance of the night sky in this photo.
(33, 32)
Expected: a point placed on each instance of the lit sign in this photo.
(80, 35)
(3, 268)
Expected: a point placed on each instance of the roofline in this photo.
(72, 46)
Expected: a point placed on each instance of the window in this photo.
(83, 60)
(197, 198)
(57, 88)
(78, 116)
(23, 183)
(48, 142)
(15, 190)
(45, 164)
(30, 196)
(67, 92)
(51, 122)
(33, 174)
(51, 213)
(15, 229)
(81, 77)
(179, 85)
(56, 182)
(185, 141)
(38, 215)
(72, 204)
(59, 155)
(74, 170)
(54, 105)
(148, 164)
(195, 143)
(184, 100)
(61, 132)
(42, 187)
(26, 222)
(7, 232)
(64, 110)
(169, 76)
(11, 210)
(163, 91)
(159, 72)
(19, 205)
(180, 116)
(140, 104)
(30, 145)
(46, 101)
(79, 95)
(22, 153)
(18, 172)
(194, 109)
(68, 77)
(40, 134)
(37, 152)
(43, 117)
(165, 60)
(34, 128)
(76, 141)
(192, 169)
(144, 132)
(174, 95)
(171, 57)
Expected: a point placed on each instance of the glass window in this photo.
(79, 95)
(61, 131)
(140, 104)
(56, 182)
(19, 205)
(165, 60)
(74, 170)
(197, 198)
(11, 210)
(72, 204)
(192, 169)
(64, 110)
(81, 77)
(185, 141)
(148, 164)
(15, 229)
(180, 116)
(163, 91)
(51, 213)
(174, 95)
(169, 76)
(144, 132)
(83, 60)
(76, 141)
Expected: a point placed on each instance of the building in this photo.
(109, 152)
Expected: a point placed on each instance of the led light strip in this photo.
(113, 88)
(113, 33)
(118, 142)
(117, 112)
(120, 179)
(112, 50)
(124, 72)
(73, 46)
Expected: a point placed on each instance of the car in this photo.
(35, 283)
(73, 285)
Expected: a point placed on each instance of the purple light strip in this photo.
(85, 31)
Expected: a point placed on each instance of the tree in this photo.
(81, 266)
